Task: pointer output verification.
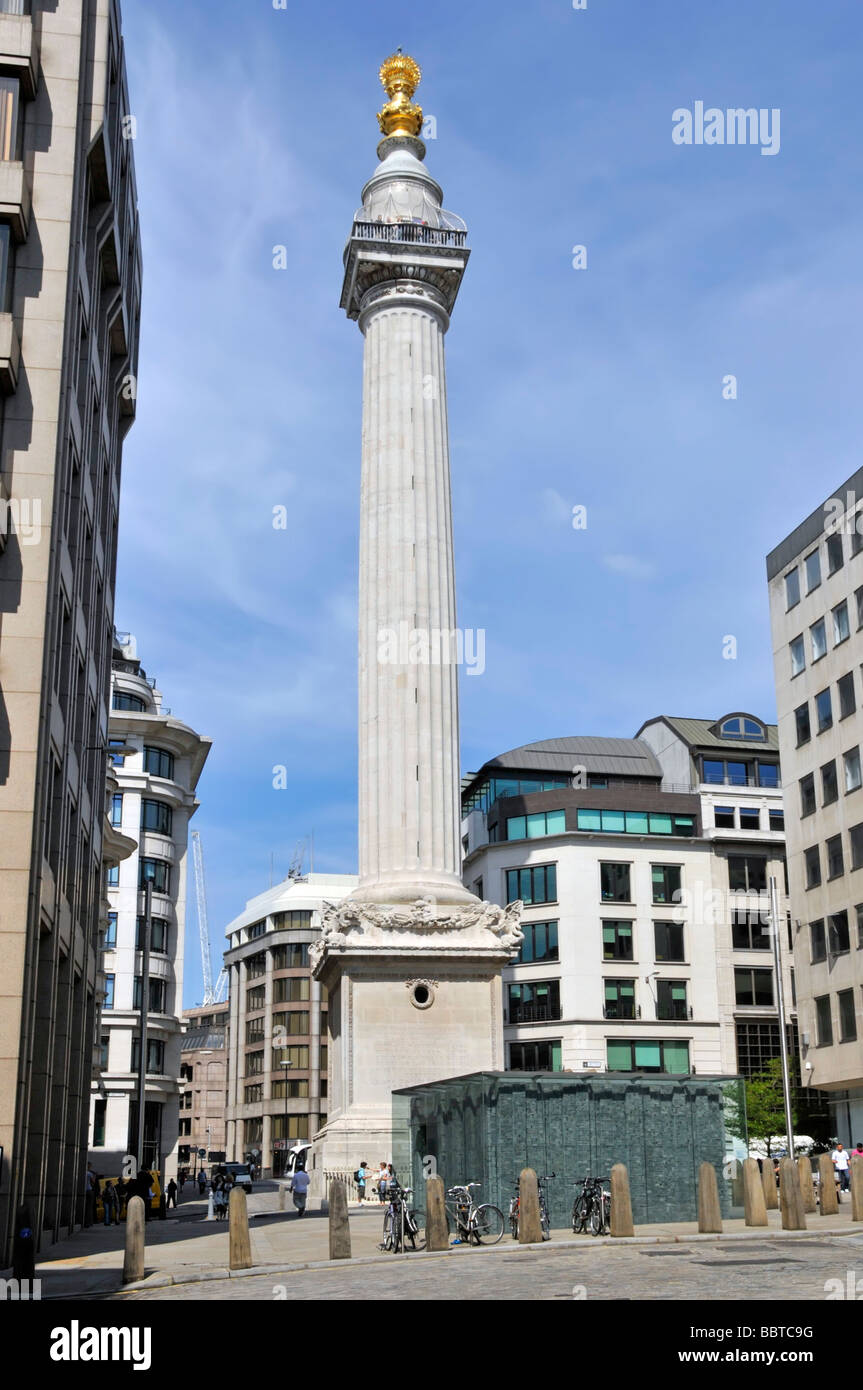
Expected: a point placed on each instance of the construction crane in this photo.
(217, 994)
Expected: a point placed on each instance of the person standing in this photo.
(361, 1177)
(383, 1174)
(202, 1182)
(90, 1183)
(841, 1164)
(299, 1190)
(171, 1195)
(110, 1203)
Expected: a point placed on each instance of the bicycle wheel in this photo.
(596, 1222)
(606, 1213)
(579, 1214)
(544, 1223)
(487, 1225)
(387, 1242)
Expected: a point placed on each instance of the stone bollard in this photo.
(827, 1186)
(163, 1208)
(790, 1196)
(856, 1187)
(133, 1259)
(807, 1186)
(754, 1206)
(621, 1202)
(529, 1225)
(768, 1183)
(340, 1231)
(239, 1244)
(437, 1235)
(709, 1211)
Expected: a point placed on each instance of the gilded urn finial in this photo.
(400, 77)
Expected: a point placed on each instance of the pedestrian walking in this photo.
(361, 1177)
(858, 1152)
(90, 1186)
(382, 1183)
(299, 1190)
(202, 1182)
(111, 1203)
(171, 1195)
(842, 1164)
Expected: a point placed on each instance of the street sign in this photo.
(202, 1153)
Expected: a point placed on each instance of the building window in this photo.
(617, 941)
(747, 874)
(723, 817)
(741, 727)
(296, 1090)
(818, 634)
(668, 941)
(855, 835)
(108, 1002)
(158, 871)
(155, 1056)
(294, 1022)
(841, 626)
(808, 804)
(750, 819)
(792, 588)
(668, 1057)
(847, 700)
(291, 957)
(256, 966)
(753, 986)
(117, 808)
(671, 1002)
(159, 929)
(823, 1021)
(619, 999)
(635, 822)
(156, 816)
(851, 760)
(812, 861)
(159, 763)
(535, 1056)
(777, 821)
(537, 885)
(798, 656)
(829, 784)
(534, 1002)
(111, 932)
(291, 989)
(539, 945)
(536, 825)
(817, 942)
(298, 920)
(298, 1056)
(768, 774)
(839, 937)
(255, 930)
(112, 876)
(117, 759)
(104, 1049)
(614, 883)
(801, 720)
(665, 882)
(253, 1133)
(157, 995)
(254, 1063)
(99, 1110)
(835, 862)
(255, 1029)
(812, 565)
(748, 932)
(847, 1017)
(835, 558)
(290, 1127)
(758, 1043)
(255, 998)
(122, 699)
(824, 710)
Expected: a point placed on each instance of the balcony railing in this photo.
(713, 779)
(622, 1012)
(415, 232)
(533, 1013)
(670, 1012)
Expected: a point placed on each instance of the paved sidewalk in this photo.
(186, 1249)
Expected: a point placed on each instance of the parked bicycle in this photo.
(401, 1227)
(591, 1210)
(514, 1208)
(480, 1225)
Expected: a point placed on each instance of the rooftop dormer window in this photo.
(741, 726)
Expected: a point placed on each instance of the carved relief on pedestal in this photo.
(417, 926)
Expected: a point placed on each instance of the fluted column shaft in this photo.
(408, 690)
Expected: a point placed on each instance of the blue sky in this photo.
(599, 387)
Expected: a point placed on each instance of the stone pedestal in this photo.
(414, 996)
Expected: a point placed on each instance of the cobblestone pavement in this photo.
(757, 1269)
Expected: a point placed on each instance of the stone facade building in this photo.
(204, 1086)
(158, 764)
(816, 611)
(643, 865)
(70, 293)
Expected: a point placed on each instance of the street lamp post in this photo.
(145, 1006)
(285, 1063)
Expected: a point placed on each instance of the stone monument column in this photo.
(411, 959)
